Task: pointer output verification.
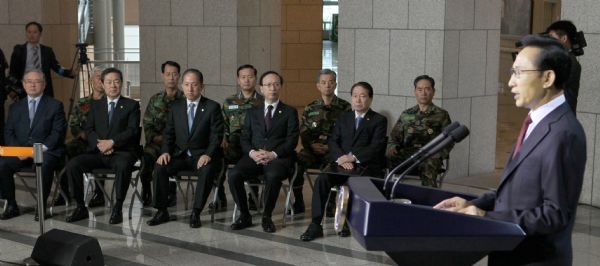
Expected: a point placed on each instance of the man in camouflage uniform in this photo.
(154, 122)
(316, 123)
(78, 144)
(234, 113)
(415, 128)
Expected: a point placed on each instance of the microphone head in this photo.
(450, 127)
(459, 133)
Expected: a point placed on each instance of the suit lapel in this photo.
(535, 137)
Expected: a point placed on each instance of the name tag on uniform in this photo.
(313, 113)
(234, 107)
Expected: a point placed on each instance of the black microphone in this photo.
(455, 136)
(423, 149)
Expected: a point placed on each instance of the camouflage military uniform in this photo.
(412, 131)
(317, 121)
(77, 120)
(155, 119)
(234, 112)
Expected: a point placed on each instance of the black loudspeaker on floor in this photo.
(58, 247)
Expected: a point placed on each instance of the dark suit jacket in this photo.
(124, 129)
(282, 138)
(206, 133)
(539, 191)
(18, 62)
(49, 125)
(367, 143)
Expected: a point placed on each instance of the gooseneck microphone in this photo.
(423, 150)
(455, 136)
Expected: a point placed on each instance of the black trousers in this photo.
(323, 186)
(121, 162)
(274, 172)
(206, 175)
(10, 165)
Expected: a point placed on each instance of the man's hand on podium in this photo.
(458, 204)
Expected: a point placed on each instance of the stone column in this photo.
(584, 14)
(388, 43)
(214, 36)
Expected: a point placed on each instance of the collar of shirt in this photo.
(241, 95)
(31, 45)
(196, 102)
(115, 100)
(538, 114)
(360, 115)
(272, 104)
(37, 99)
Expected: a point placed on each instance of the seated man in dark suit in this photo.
(269, 138)
(542, 180)
(34, 55)
(357, 141)
(191, 140)
(112, 130)
(36, 118)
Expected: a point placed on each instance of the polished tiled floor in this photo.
(174, 243)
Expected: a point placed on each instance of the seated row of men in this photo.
(187, 131)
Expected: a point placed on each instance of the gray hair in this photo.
(36, 71)
(97, 69)
(326, 71)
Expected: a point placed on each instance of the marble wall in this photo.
(388, 43)
(583, 14)
(214, 36)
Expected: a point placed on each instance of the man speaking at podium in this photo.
(542, 179)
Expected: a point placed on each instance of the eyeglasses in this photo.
(111, 82)
(516, 72)
(274, 85)
(33, 81)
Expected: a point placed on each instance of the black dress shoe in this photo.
(116, 217)
(345, 231)
(160, 217)
(195, 219)
(146, 197)
(268, 225)
(242, 222)
(80, 213)
(314, 231)
(36, 218)
(97, 200)
(172, 200)
(10, 212)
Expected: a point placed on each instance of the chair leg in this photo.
(214, 203)
(235, 208)
(310, 182)
(288, 192)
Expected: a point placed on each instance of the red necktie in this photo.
(269, 117)
(524, 127)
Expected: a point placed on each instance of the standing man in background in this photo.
(34, 55)
(565, 32)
